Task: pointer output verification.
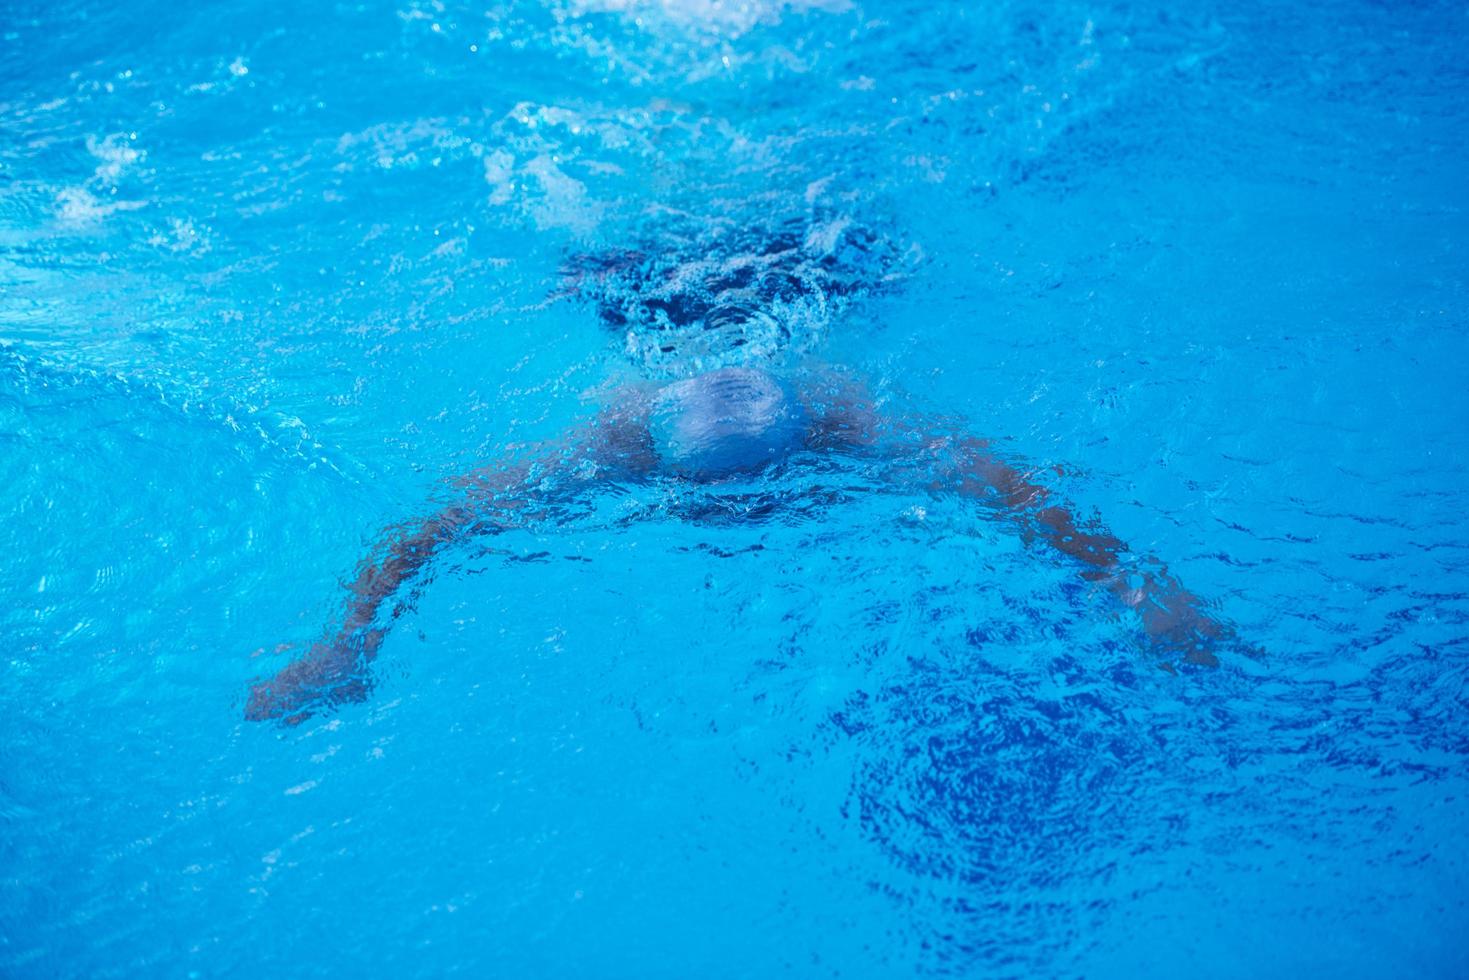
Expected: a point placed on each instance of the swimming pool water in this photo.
(271, 276)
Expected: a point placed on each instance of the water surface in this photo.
(270, 276)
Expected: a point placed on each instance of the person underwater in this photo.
(715, 427)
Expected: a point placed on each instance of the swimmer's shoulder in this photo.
(843, 411)
(618, 435)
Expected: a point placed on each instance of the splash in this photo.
(722, 295)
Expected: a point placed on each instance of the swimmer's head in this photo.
(730, 421)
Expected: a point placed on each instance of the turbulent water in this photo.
(272, 276)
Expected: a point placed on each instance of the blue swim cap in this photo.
(729, 421)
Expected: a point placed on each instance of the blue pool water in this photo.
(272, 275)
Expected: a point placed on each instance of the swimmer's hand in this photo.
(330, 674)
(1175, 620)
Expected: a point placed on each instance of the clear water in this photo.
(271, 275)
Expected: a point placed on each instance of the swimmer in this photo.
(716, 427)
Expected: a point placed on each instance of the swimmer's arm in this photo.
(1173, 617)
(849, 419)
(493, 499)
(333, 671)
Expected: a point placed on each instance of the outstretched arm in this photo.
(333, 671)
(1172, 616)
(1174, 619)
(491, 500)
